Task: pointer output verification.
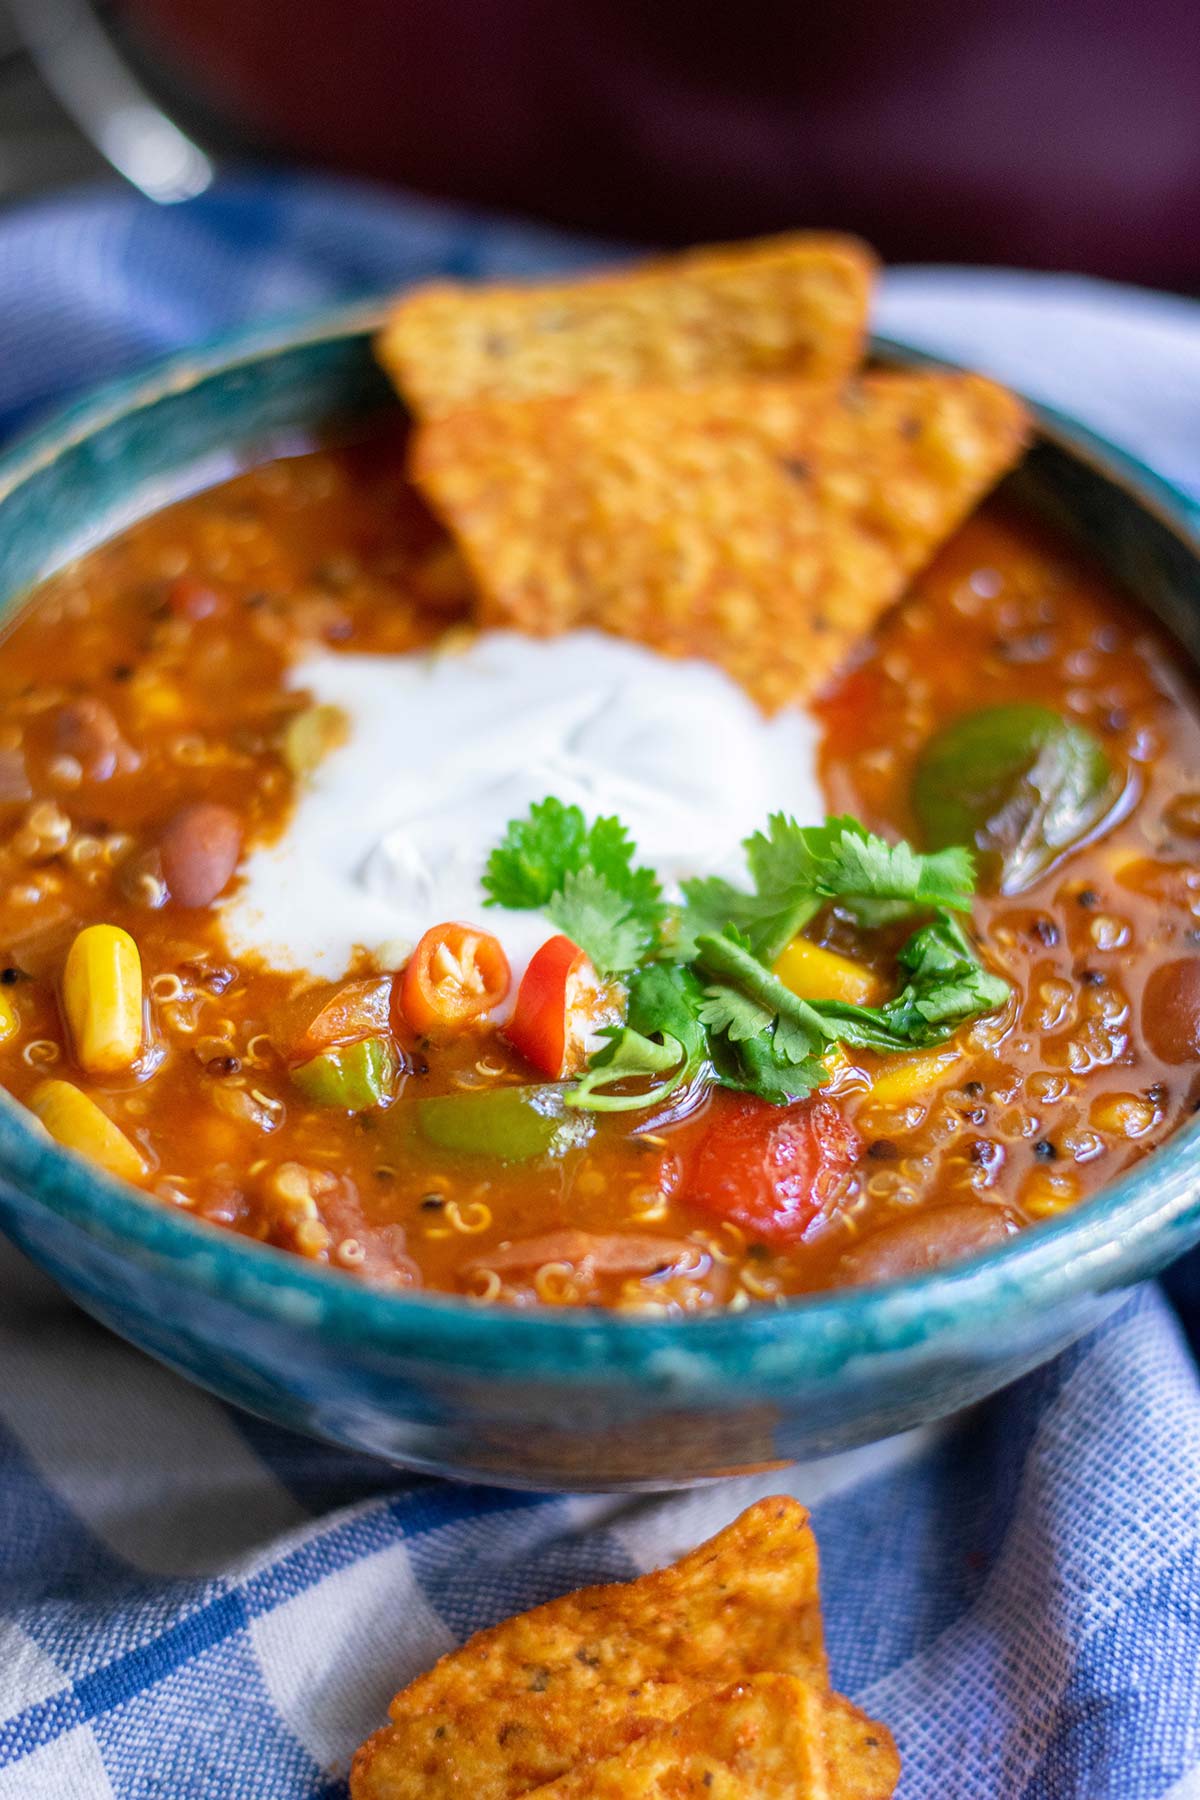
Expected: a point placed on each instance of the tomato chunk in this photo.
(455, 975)
(321, 1017)
(768, 1168)
(561, 1000)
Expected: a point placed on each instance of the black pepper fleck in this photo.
(973, 1090)
(432, 1202)
(1092, 977)
(1087, 897)
(223, 1065)
(883, 1150)
(1045, 1150)
(11, 976)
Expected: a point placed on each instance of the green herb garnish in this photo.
(702, 996)
(584, 878)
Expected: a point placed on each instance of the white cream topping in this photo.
(391, 834)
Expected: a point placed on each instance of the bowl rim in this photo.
(1102, 1245)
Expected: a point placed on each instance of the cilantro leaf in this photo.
(728, 1009)
(797, 868)
(665, 998)
(583, 878)
(663, 1002)
(534, 855)
(767, 1028)
(600, 920)
(756, 1066)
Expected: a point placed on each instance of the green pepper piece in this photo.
(1020, 782)
(512, 1123)
(352, 1076)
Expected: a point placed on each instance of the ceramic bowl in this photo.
(550, 1399)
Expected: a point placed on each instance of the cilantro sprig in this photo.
(795, 869)
(584, 878)
(703, 999)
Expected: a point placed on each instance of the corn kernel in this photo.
(1122, 1115)
(901, 1079)
(817, 974)
(102, 999)
(9, 1020)
(74, 1120)
(1045, 1194)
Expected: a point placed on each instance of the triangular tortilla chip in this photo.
(761, 1740)
(860, 1754)
(582, 1676)
(764, 526)
(794, 305)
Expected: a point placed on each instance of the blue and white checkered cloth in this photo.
(196, 1606)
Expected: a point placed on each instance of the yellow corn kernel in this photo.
(73, 1119)
(102, 999)
(9, 1022)
(817, 974)
(1044, 1194)
(1122, 1115)
(900, 1079)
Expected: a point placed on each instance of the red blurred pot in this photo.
(1062, 134)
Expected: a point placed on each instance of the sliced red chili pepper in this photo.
(768, 1168)
(561, 1000)
(455, 975)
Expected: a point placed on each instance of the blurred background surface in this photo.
(1054, 136)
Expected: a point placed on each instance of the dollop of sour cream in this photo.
(392, 832)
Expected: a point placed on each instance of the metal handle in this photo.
(80, 65)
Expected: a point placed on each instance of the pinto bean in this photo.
(200, 848)
(1171, 1010)
(14, 781)
(924, 1241)
(195, 600)
(86, 729)
(602, 1253)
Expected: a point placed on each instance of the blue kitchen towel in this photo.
(196, 1606)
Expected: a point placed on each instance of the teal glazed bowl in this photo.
(550, 1399)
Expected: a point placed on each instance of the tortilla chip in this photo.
(860, 1753)
(761, 1740)
(763, 526)
(794, 305)
(584, 1675)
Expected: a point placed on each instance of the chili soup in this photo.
(155, 745)
(640, 834)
